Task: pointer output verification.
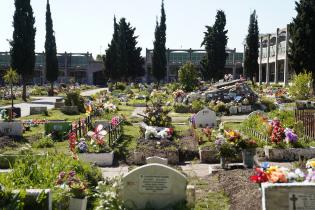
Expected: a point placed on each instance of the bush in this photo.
(270, 105)
(220, 107)
(120, 86)
(181, 108)
(197, 105)
(188, 77)
(45, 142)
(301, 87)
(74, 99)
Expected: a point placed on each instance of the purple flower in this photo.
(219, 142)
(72, 173)
(291, 137)
(82, 147)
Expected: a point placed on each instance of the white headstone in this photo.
(153, 185)
(205, 118)
(14, 128)
(288, 196)
(156, 159)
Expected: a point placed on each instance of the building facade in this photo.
(178, 57)
(78, 67)
(273, 57)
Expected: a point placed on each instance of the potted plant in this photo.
(248, 147)
(76, 189)
(226, 151)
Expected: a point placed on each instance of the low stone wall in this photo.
(210, 156)
(38, 110)
(291, 154)
(100, 159)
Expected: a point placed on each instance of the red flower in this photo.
(259, 177)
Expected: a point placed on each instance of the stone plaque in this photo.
(154, 184)
(14, 128)
(288, 196)
(301, 201)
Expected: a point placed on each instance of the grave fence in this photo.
(253, 133)
(307, 116)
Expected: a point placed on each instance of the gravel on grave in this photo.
(243, 194)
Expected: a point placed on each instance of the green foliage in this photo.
(220, 107)
(286, 118)
(46, 142)
(215, 42)
(197, 105)
(268, 103)
(74, 99)
(301, 87)
(182, 108)
(252, 45)
(213, 201)
(50, 50)
(157, 116)
(188, 77)
(302, 43)
(23, 43)
(159, 49)
(11, 76)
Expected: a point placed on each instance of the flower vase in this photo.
(78, 204)
(248, 157)
(223, 162)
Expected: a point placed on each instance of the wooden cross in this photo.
(294, 199)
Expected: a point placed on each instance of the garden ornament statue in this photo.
(156, 132)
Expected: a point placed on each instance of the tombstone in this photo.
(156, 159)
(233, 110)
(288, 196)
(14, 128)
(38, 110)
(205, 118)
(16, 111)
(153, 186)
(57, 126)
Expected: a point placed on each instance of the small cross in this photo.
(294, 199)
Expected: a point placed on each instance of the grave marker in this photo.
(157, 159)
(205, 118)
(153, 185)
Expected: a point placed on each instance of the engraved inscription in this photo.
(159, 184)
(301, 201)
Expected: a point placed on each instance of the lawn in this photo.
(54, 114)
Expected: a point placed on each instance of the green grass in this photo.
(55, 114)
(4, 102)
(232, 126)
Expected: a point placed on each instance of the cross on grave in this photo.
(294, 199)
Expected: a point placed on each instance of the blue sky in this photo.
(87, 25)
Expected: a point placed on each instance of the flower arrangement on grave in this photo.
(247, 143)
(72, 139)
(225, 148)
(70, 182)
(277, 134)
(276, 174)
(110, 107)
(207, 132)
(290, 136)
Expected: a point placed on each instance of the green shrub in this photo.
(45, 142)
(220, 107)
(74, 99)
(188, 77)
(301, 87)
(181, 108)
(120, 86)
(197, 105)
(286, 118)
(270, 105)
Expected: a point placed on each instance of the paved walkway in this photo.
(113, 172)
(138, 110)
(46, 101)
(234, 118)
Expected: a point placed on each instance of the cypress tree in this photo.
(302, 33)
(23, 43)
(215, 41)
(159, 60)
(50, 51)
(251, 52)
(221, 39)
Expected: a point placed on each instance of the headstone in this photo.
(288, 196)
(205, 118)
(156, 159)
(14, 128)
(153, 186)
(233, 110)
(57, 126)
(38, 110)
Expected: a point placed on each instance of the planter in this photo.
(291, 154)
(210, 156)
(78, 204)
(248, 157)
(100, 159)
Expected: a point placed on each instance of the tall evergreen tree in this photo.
(302, 33)
(50, 51)
(159, 60)
(251, 50)
(123, 59)
(23, 43)
(111, 59)
(215, 41)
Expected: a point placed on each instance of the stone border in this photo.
(100, 159)
(291, 154)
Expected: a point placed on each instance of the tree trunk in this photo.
(24, 91)
(51, 89)
(11, 113)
